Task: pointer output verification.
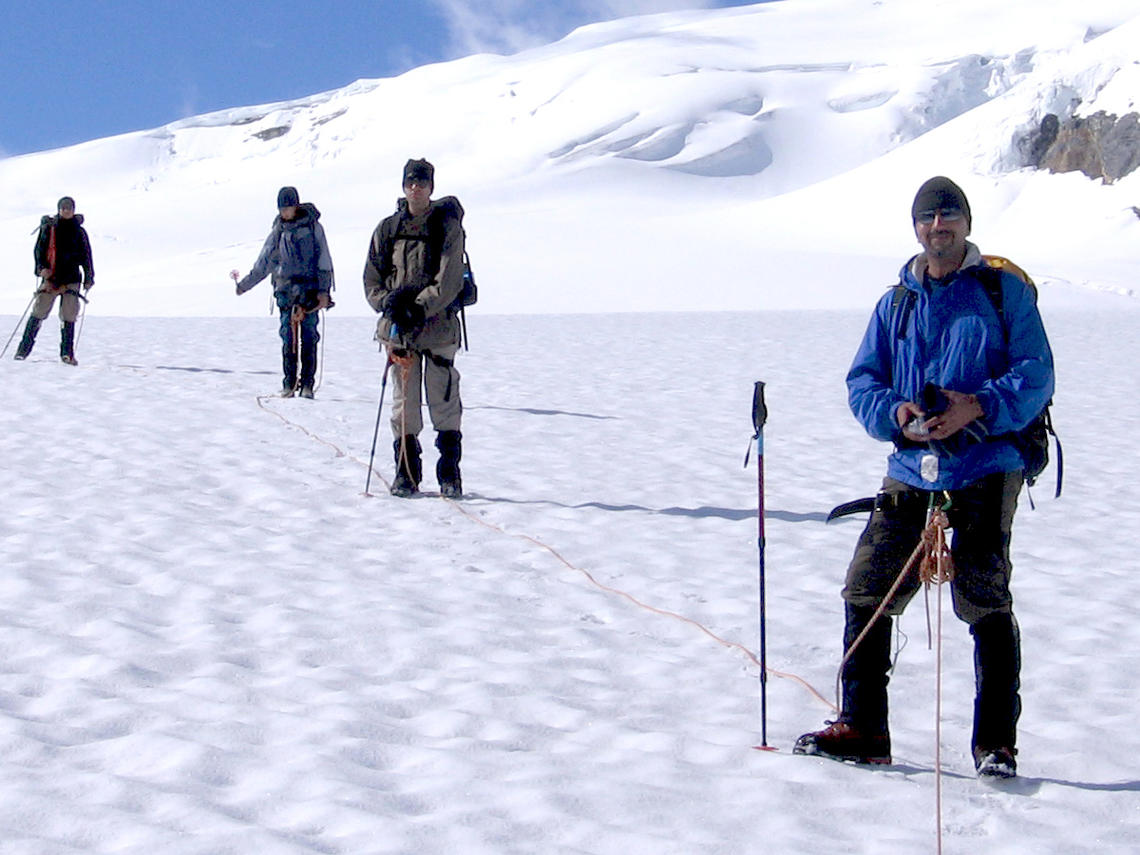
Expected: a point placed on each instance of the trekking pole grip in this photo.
(759, 408)
(759, 416)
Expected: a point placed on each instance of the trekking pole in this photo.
(20, 322)
(376, 430)
(79, 326)
(759, 417)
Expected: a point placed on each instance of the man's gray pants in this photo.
(434, 372)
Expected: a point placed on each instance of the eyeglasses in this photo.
(947, 215)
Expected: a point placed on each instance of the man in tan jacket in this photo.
(414, 277)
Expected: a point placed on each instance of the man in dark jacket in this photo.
(63, 263)
(955, 360)
(413, 275)
(297, 255)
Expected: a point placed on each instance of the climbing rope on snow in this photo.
(593, 580)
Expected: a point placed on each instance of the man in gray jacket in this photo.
(297, 255)
(413, 276)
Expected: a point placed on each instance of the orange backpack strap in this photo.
(998, 262)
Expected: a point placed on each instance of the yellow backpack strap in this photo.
(998, 262)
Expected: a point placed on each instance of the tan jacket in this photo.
(402, 254)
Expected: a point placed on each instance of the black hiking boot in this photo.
(409, 467)
(997, 706)
(67, 343)
(841, 741)
(29, 340)
(450, 445)
(308, 367)
(995, 762)
(288, 373)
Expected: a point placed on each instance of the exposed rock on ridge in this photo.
(1101, 145)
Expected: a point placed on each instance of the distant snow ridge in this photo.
(727, 128)
(715, 95)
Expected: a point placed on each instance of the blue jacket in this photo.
(297, 255)
(953, 338)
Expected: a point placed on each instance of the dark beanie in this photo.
(420, 169)
(65, 202)
(287, 197)
(939, 192)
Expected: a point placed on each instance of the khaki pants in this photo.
(68, 303)
(441, 381)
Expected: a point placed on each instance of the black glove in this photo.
(403, 310)
(389, 300)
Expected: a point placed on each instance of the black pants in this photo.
(981, 515)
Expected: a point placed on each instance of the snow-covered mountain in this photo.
(700, 160)
(213, 642)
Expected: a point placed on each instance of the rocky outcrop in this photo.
(1101, 145)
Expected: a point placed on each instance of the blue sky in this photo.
(74, 71)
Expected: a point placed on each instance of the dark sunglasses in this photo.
(947, 215)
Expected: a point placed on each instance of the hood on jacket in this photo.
(50, 220)
(914, 271)
(305, 211)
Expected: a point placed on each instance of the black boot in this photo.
(997, 670)
(861, 733)
(450, 445)
(409, 467)
(29, 339)
(865, 674)
(67, 342)
(308, 364)
(288, 373)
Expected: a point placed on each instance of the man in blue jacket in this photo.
(947, 371)
(297, 255)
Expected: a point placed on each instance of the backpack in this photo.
(441, 210)
(45, 244)
(1032, 441)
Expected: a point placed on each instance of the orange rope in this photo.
(261, 399)
(932, 555)
(936, 568)
(938, 712)
(937, 562)
(404, 362)
(731, 645)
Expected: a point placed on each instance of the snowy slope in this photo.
(633, 160)
(213, 643)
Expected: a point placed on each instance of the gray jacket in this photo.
(297, 255)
